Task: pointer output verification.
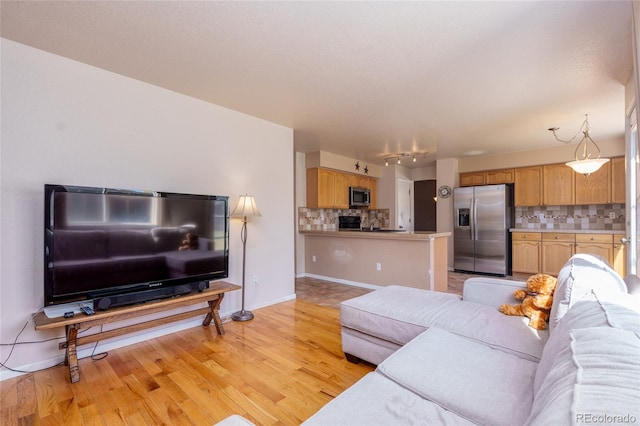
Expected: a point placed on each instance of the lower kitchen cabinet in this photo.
(557, 248)
(619, 255)
(534, 252)
(525, 253)
(598, 244)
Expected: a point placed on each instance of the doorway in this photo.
(424, 197)
(404, 208)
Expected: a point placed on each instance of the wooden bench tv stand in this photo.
(213, 296)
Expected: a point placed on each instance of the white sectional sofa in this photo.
(449, 360)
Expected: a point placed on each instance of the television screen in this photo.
(102, 243)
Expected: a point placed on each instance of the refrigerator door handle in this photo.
(472, 222)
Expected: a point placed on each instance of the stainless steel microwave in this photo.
(359, 197)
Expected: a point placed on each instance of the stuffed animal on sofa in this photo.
(190, 242)
(536, 301)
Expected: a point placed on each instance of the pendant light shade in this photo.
(583, 163)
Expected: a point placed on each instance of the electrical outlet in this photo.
(541, 216)
(612, 215)
(378, 266)
(255, 280)
(313, 259)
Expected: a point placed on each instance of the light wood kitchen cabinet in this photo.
(597, 244)
(373, 202)
(320, 188)
(557, 248)
(557, 185)
(525, 253)
(595, 188)
(330, 188)
(495, 177)
(341, 188)
(618, 180)
(472, 178)
(619, 261)
(528, 186)
(489, 177)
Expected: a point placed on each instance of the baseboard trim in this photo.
(346, 282)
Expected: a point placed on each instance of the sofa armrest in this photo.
(491, 291)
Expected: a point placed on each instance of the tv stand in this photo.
(213, 296)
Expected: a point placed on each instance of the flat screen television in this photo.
(118, 246)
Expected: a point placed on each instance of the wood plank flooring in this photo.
(279, 368)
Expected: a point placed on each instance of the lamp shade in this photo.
(588, 166)
(246, 207)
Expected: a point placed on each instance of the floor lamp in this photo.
(245, 209)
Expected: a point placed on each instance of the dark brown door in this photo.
(425, 205)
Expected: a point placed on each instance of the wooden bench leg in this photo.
(71, 356)
(214, 306)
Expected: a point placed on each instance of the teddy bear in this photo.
(190, 242)
(536, 301)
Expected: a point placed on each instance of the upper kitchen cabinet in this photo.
(618, 181)
(472, 178)
(528, 186)
(495, 177)
(489, 177)
(320, 188)
(558, 185)
(594, 188)
(330, 188)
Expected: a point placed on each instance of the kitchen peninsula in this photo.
(412, 259)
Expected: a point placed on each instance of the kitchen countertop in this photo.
(380, 235)
(571, 231)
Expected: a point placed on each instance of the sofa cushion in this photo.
(468, 378)
(633, 284)
(376, 400)
(79, 245)
(581, 274)
(129, 243)
(192, 262)
(398, 314)
(599, 310)
(595, 379)
(167, 238)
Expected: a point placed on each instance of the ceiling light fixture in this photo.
(399, 157)
(583, 164)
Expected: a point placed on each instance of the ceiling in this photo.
(365, 79)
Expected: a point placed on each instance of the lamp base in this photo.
(242, 316)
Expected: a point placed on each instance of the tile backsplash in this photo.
(327, 219)
(580, 217)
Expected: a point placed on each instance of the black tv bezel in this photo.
(50, 299)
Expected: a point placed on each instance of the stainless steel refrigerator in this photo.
(481, 238)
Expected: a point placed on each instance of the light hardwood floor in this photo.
(279, 368)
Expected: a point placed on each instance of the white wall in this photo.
(69, 123)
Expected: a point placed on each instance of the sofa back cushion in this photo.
(581, 274)
(595, 379)
(79, 245)
(597, 311)
(167, 238)
(129, 243)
